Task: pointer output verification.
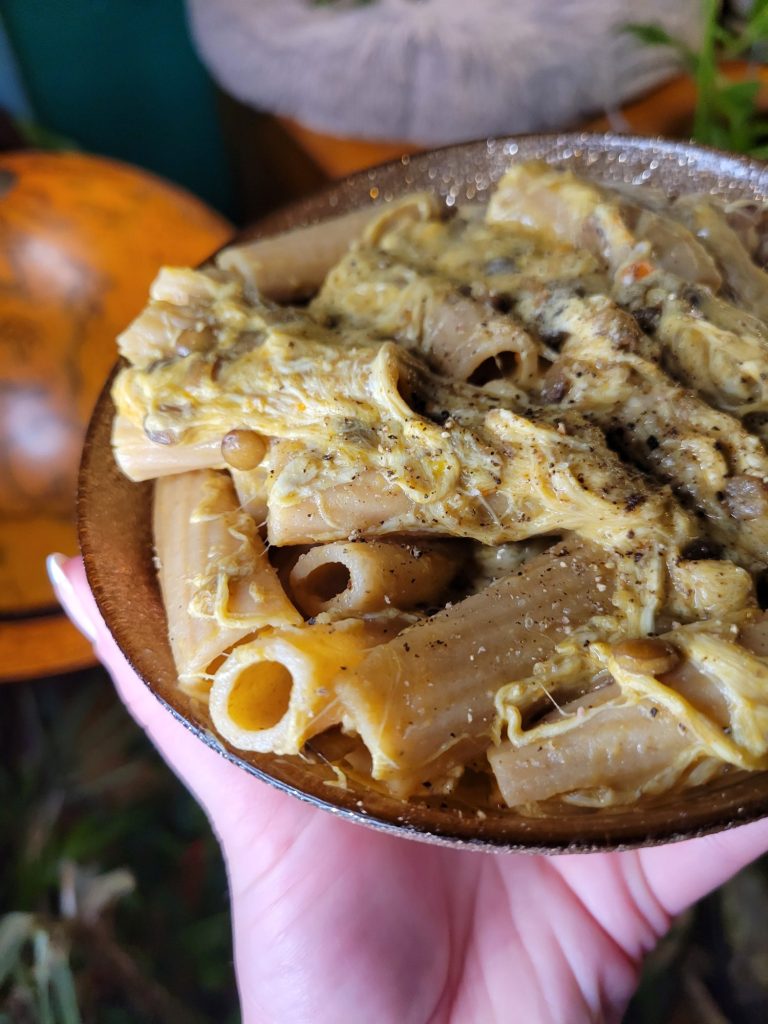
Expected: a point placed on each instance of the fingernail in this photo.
(65, 592)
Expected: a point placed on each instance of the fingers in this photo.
(228, 794)
(681, 873)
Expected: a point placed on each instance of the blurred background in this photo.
(113, 901)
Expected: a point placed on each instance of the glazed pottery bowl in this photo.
(115, 527)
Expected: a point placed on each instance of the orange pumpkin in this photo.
(81, 238)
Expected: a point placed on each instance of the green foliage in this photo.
(712, 967)
(726, 114)
(113, 897)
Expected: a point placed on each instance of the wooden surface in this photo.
(44, 646)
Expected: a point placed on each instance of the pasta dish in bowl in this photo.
(458, 495)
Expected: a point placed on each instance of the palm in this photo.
(346, 918)
(338, 923)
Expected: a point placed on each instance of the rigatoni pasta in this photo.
(493, 505)
(359, 577)
(277, 691)
(217, 584)
(143, 456)
(424, 702)
(293, 266)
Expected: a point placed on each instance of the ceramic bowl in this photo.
(115, 534)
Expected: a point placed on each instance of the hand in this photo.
(337, 923)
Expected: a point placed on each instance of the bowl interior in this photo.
(115, 523)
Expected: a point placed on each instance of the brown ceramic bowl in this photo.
(114, 521)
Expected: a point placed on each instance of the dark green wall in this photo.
(120, 77)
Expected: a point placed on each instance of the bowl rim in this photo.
(603, 838)
(264, 225)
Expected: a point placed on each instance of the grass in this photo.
(113, 897)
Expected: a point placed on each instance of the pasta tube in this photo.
(361, 577)
(139, 458)
(276, 692)
(217, 584)
(365, 503)
(458, 335)
(619, 751)
(747, 282)
(182, 315)
(424, 702)
(293, 265)
(682, 706)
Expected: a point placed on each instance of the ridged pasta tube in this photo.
(360, 577)
(703, 705)
(424, 702)
(293, 265)
(217, 584)
(276, 692)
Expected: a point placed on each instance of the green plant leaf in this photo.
(98, 892)
(719, 136)
(731, 44)
(63, 989)
(41, 945)
(15, 930)
(724, 36)
(653, 35)
(757, 23)
(738, 98)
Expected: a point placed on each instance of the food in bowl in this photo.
(484, 507)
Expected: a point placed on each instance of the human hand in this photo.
(337, 923)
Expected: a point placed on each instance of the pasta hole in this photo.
(408, 389)
(496, 367)
(327, 581)
(260, 696)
